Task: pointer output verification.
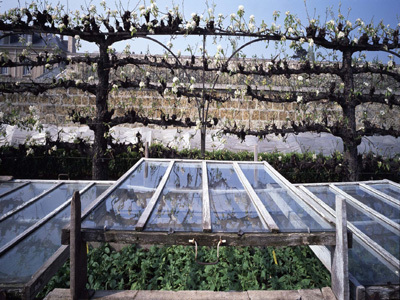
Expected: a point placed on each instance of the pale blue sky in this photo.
(367, 10)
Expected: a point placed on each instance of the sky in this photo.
(367, 10)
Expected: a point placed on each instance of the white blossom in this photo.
(341, 35)
(299, 98)
(29, 152)
(142, 84)
(241, 8)
(300, 78)
(169, 44)
(348, 24)
(311, 42)
(175, 80)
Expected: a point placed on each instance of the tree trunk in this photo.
(100, 163)
(349, 134)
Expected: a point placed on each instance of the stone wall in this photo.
(53, 108)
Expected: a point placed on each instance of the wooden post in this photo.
(340, 261)
(146, 150)
(78, 255)
(255, 152)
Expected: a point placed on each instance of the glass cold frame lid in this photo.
(289, 213)
(386, 208)
(29, 215)
(26, 257)
(179, 206)
(383, 234)
(8, 186)
(368, 267)
(122, 208)
(231, 208)
(387, 188)
(23, 194)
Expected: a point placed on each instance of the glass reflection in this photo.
(287, 212)
(179, 206)
(24, 259)
(22, 195)
(29, 215)
(231, 208)
(123, 207)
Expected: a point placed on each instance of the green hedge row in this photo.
(45, 163)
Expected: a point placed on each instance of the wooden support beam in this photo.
(152, 203)
(206, 200)
(78, 255)
(204, 239)
(340, 259)
(260, 207)
(256, 152)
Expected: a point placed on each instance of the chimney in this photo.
(71, 44)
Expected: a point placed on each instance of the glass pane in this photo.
(22, 195)
(123, 207)
(29, 215)
(287, 213)
(388, 189)
(8, 186)
(23, 260)
(368, 268)
(179, 206)
(388, 209)
(378, 231)
(231, 208)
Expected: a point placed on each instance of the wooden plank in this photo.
(324, 255)
(18, 208)
(340, 260)
(385, 198)
(202, 238)
(364, 207)
(327, 293)
(38, 224)
(206, 200)
(384, 255)
(78, 255)
(152, 203)
(46, 272)
(14, 189)
(262, 211)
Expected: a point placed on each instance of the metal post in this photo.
(78, 255)
(340, 271)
